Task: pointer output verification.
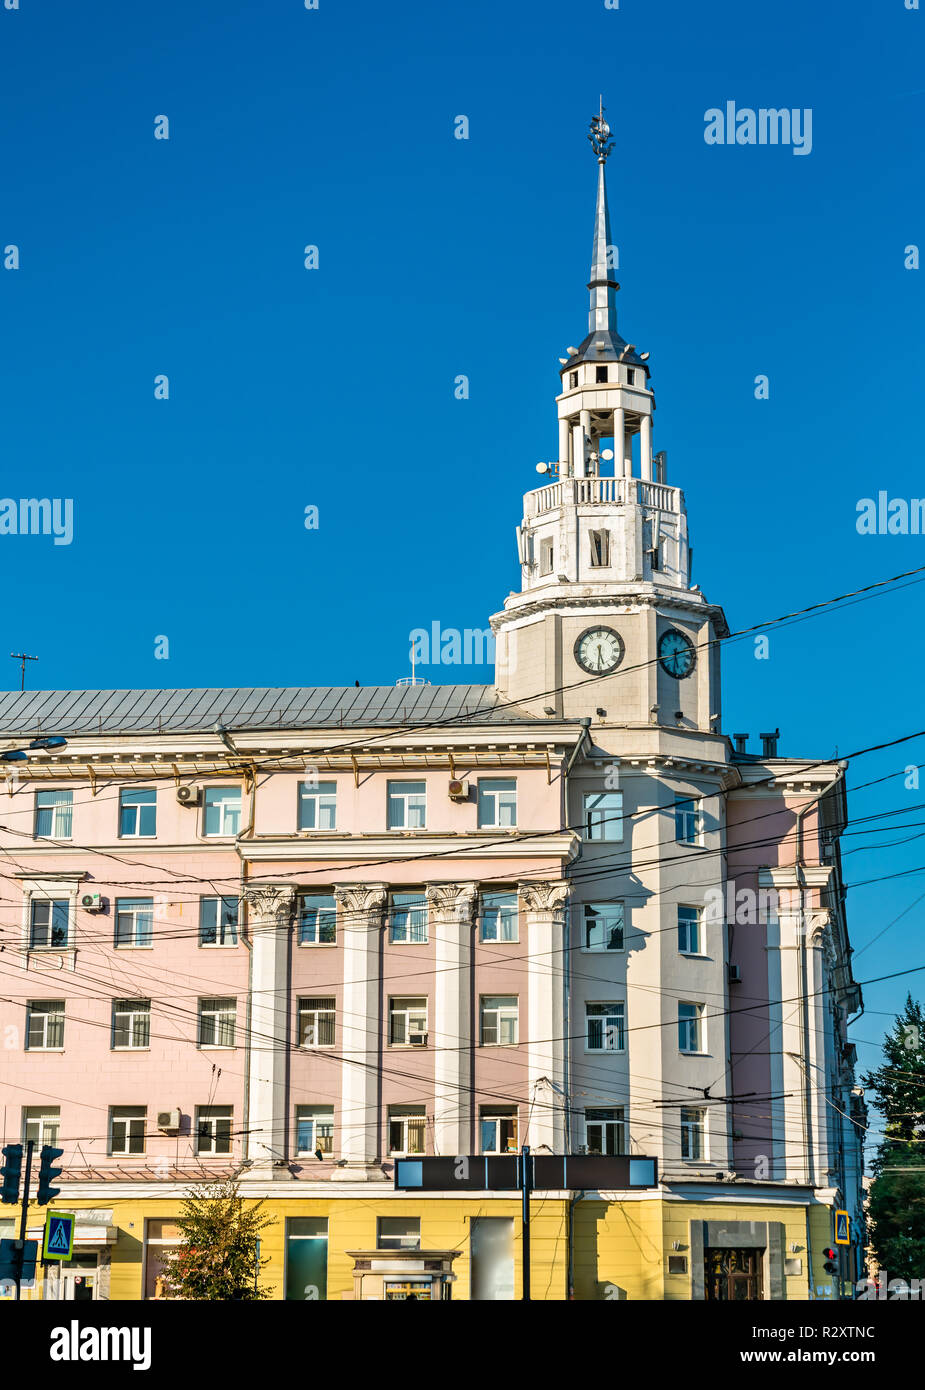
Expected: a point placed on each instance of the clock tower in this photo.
(606, 618)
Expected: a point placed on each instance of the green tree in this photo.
(217, 1258)
(897, 1196)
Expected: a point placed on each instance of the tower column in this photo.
(645, 447)
(578, 450)
(563, 447)
(619, 442)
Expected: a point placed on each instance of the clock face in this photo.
(676, 653)
(599, 649)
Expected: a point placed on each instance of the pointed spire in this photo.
(602, 317)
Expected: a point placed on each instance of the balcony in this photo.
(607, 492)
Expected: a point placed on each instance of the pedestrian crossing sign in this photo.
(842, 1228)
(59, 1236)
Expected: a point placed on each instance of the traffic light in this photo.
(47, 1175)
(831, 1260)
(11, 1170)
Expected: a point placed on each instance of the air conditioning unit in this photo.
(418, 1039)
(735, 975)
(459, 791)
(168, 1121)
(189, 796)
(93, 902)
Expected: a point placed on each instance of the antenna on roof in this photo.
(22, 658)
(412, 679)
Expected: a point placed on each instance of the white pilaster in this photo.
(450, 910)
(546, 1043)
(269, 928)
(645, 447)
(359, 925)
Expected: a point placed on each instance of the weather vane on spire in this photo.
(599, 135)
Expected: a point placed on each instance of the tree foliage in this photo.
(217, 1257)
(897, 1198)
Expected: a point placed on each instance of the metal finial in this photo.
(600, 137)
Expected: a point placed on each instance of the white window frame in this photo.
(134, 908)
(497, 799)
(208, 1137)
(131, 1014)
(616, 910)
(602, 822)
(496, 1011)
(599, 542)
(227, 810)
(499, 923)
(51, 1012)
(688, 820)
(321, 1010)
(134, 1118)
(221, 1013)
(137, 807)
(318, 1117)
(693, 1124)
(399, 800)
(611, 1014)
(405, 925)
(605, 1117)
(405, 1116)
(221, 928)
(62, 813)
(48, 1120)
(317, 805)
(408, 1009)
(690, 1026)
(51, 904)
(498, 1116)
(316, 926)
(690, 943)
(547, 554)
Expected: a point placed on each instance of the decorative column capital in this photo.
(270, 901)
(544, 897)
(360, 897)
(457, 900)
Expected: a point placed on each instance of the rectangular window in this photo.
(216, 1022)
(606, 1027)
(546, 556)
(314, 1126)
(398, 1233)
(603, 927)
(138, 813)
(134, 921)
(54, 815)
(497, 803)
(689, 931)
(317, 913)
(42, 1124)
(44, 1024)
(572, 380)
(221, 810)
(497, 1130)
(407, 1022)
(690, 1027)
(603, 815)
(48, 929)
(687, 821)
(498, 917)
(127, 1129)
(600, 549)
(692, 1133)
(131, 1023)
(213, 1129)
(498, 1019)
(408, 915)
(600, 373)
(317, 805)
(491, 1246)
(316, 1022)
(407, 805)
(605, 1131)
(407, 1125)
(307, 1258)
(218, 921)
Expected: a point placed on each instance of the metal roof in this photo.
(296, 707)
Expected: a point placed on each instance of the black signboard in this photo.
(501, 1173)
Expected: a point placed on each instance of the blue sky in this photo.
(438, 256)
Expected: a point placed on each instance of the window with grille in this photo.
(131, 1023)
(44, 1024)
(606, 1025)
(316, 1022)
(216, 1022)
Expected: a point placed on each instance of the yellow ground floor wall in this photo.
(620, 1250)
